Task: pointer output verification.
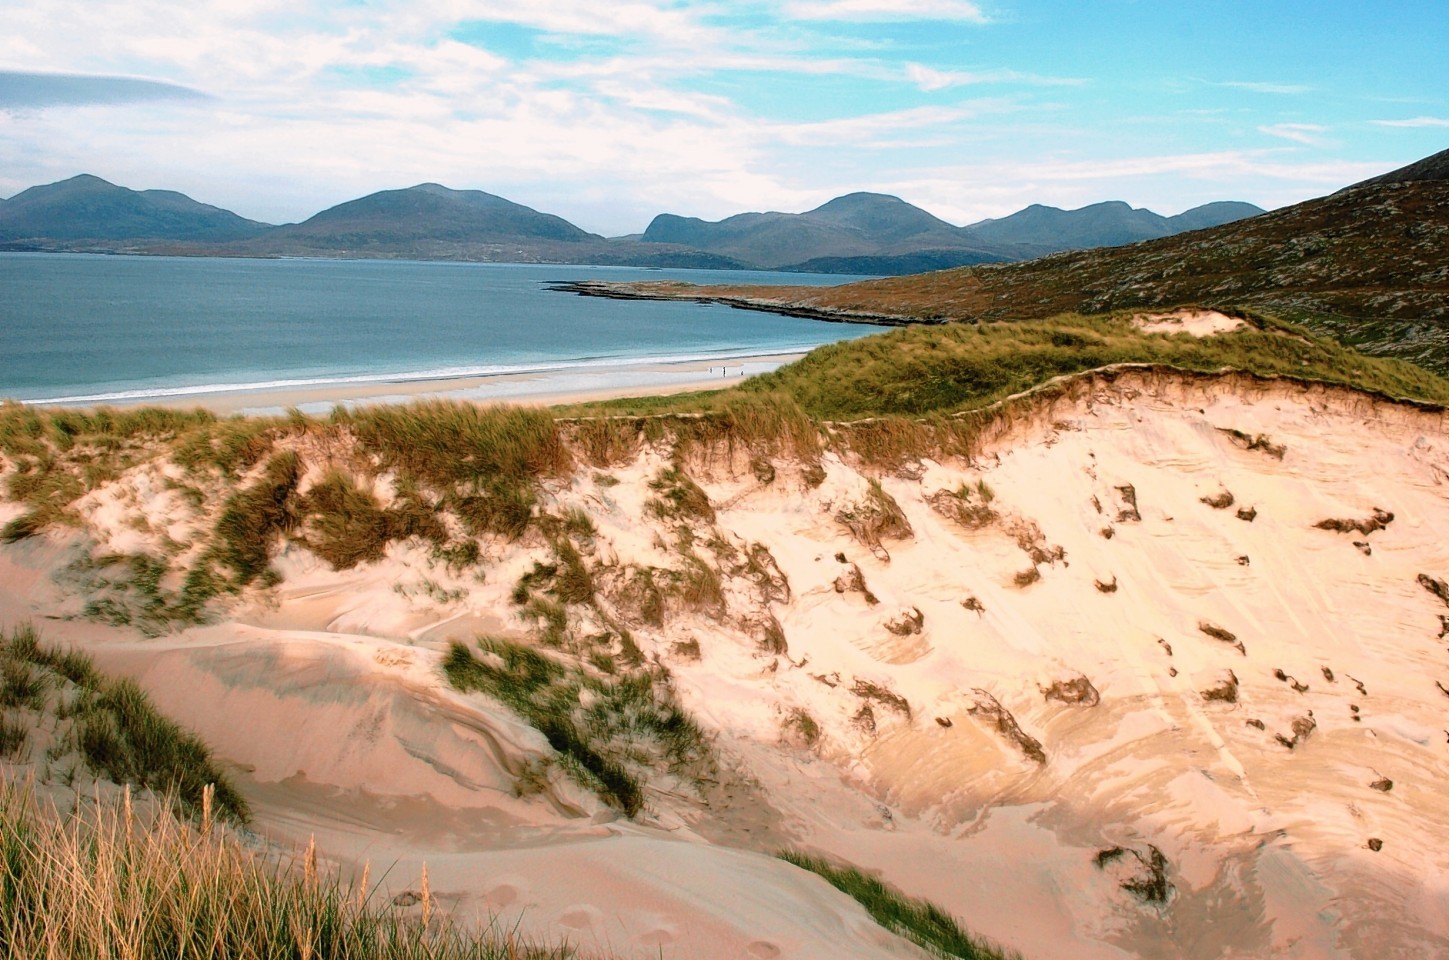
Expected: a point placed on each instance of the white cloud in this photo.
(1256, 87)
(1413, 122)
(1309, 134)
(687, 106)
(870, 128)
(874, 10)
(930, 79)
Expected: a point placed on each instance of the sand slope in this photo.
(963, 781)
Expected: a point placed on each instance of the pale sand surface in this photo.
(1199, 323)
(534, 389)
(324, 696)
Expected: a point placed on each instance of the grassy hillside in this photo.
(1368, 266)
(953, 368)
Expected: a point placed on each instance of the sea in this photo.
(84, 330)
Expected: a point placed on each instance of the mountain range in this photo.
(856, 233)
(1367, 265)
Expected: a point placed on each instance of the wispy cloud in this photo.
(870, 128)
(1258, 87)
(1413, 122)
(876, 10)
(609, 113)
(30, 91)
(930, 79)
(1309, 134)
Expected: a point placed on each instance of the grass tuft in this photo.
(920, 921)
(604, 728)
(107, 882)
(112, 724)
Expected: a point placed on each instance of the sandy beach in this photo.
(546, 388)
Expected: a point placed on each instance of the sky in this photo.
(607, 113)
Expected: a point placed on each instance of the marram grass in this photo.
(919, 921)
(109, 724)
(106, 881)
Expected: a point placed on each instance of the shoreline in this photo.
(540, 389)
(668, 291)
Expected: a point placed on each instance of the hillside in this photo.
(88, 208)
(1368, 265)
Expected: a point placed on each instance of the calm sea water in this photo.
(103, 329)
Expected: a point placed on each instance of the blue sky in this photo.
(608, 113)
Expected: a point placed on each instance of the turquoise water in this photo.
(77, 329)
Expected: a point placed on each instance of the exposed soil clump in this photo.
(988, 708)
(1226, 691)
(1078, 691)
(1379, 521)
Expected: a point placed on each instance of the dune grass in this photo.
(109, 723)
(603, 745)
(884, 399)
(106, 882)
(951, 368)
(920, 921)
(443, 444)
(942, 369)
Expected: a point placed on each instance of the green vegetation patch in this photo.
(443, 444)
(951, 368)
(920, 921)
(110, 723)
(608, 730)
(679, 497)
(345, 525)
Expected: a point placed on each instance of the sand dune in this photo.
(1252, 675)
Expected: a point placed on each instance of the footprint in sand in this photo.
(763, 950)
(658, 937)
(501, 896)
(582, 916)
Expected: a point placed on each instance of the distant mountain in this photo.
(1368, 265)
(860, 229)
(427, 218)
(1044, 230)
(1212, 215)
(87, 208)
(871, 232)
(861, 233)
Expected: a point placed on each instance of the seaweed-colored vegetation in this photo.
(920, 921)
(110, 881)
(109, 723)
